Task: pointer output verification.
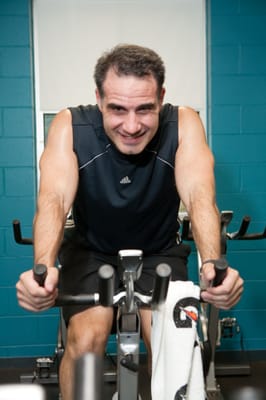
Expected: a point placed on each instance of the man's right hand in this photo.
(33, 297)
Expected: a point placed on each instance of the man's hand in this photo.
(227, 294)
(33, 297)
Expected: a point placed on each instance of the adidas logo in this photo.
(125, 180)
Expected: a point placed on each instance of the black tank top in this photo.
(125, 202)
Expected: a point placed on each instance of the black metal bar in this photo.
(106, 285)
(254, 236)
(17, 233)
(40, 273)
(244, 226)
(76, 299)
(186, 233)
(220, 267)
(242, 230)
(162, 278)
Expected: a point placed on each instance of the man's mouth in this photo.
(134, 135)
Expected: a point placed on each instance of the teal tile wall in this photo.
(237, 133)
(22, 333)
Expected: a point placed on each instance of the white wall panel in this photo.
(71, 34)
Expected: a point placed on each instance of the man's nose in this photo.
(132, 124)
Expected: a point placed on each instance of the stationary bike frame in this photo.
(128, 303)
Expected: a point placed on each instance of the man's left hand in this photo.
(226, 295)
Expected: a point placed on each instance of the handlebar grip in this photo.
(220, 267)
(106, 285)
(162, 278)
(40, 273)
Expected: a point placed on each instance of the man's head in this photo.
(129, 59)
(129, 94)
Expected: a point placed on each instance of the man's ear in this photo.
(98, 99)
(162, 95)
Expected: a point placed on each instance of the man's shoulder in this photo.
(169, 112)
(86, 114)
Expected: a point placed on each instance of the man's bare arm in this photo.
(196, 185)
(195, 181)
(58, 185)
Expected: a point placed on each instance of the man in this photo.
(123, 166)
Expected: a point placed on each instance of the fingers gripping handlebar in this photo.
(162, 276)
(40, 273)
(105, 296)
(220, 267)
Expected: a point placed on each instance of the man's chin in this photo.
(130, 150)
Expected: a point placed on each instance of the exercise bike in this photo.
(128, 302)
(128, 318)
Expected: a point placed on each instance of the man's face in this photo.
(130, 109)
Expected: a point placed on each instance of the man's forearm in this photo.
(49, 224)
(205, 222)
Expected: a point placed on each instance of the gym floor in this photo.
(11, 371)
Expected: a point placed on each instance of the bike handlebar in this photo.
(242, 229)
(17, 233)
(220, 266)
(226, 217)
(40, 273)
(163, 274)
(186, 233)
(106, 285)
(252, 236)
(106, 296)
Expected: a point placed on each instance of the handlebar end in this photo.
(162, 279)
(40, 273)
(163, 270)
(106, 285)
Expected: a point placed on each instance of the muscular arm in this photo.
(196, 185)
(58, 185)
(194, 169)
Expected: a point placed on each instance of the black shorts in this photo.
(79, 273)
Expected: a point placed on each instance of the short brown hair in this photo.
(129, 59)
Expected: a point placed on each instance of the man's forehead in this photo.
(112, 75)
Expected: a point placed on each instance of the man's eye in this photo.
(118, 110)
(144, 111)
